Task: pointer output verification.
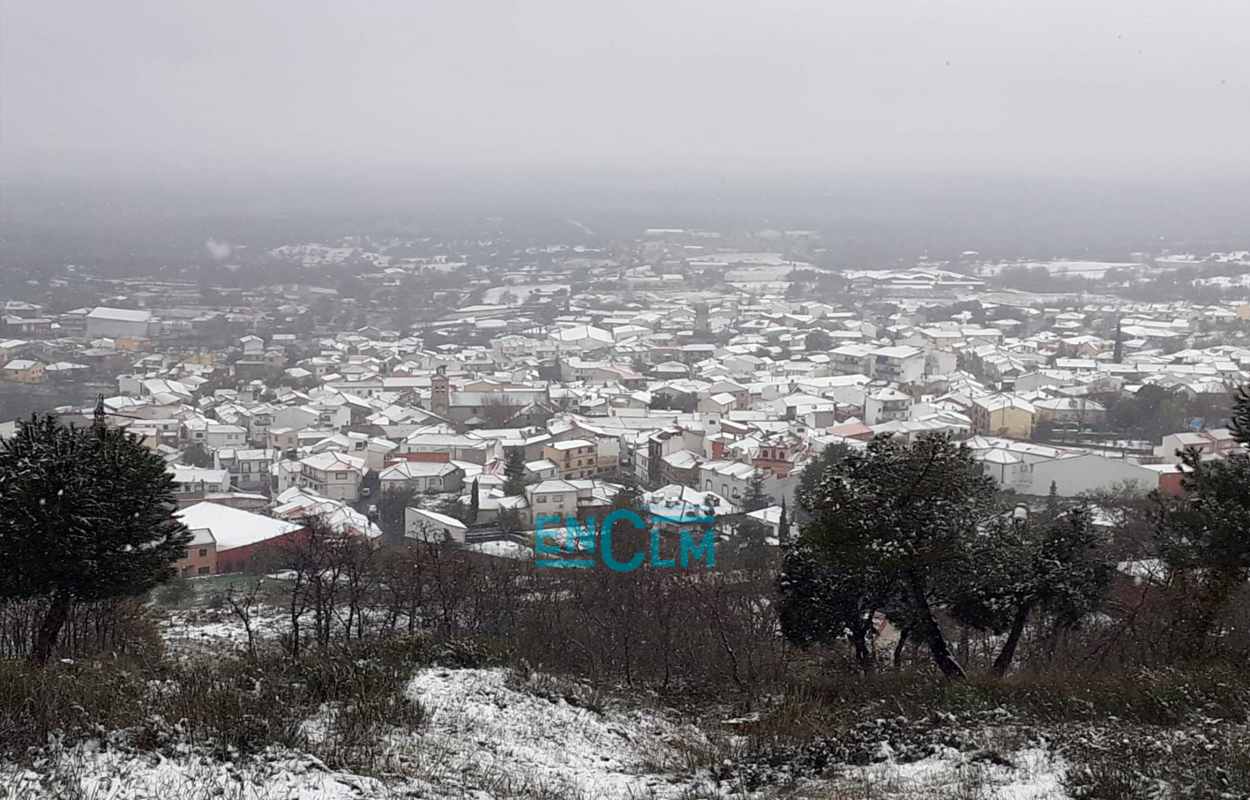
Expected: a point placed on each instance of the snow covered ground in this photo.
(1032, 775)
(494, 731)
(210, 631)
(489, 734)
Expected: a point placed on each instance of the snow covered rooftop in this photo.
(232, 527)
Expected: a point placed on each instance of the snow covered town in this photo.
(706, 376)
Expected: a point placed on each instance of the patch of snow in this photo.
(491, 729)
(88, 771)
(1033, 774)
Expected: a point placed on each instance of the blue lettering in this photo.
(705, 551)
(605, 537)
(656, 560)
(543, 545)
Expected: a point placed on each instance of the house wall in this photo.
(344, 485)
(198, 560)
(423, 527)
(115, 329)
(261, 555)
(1073, 476)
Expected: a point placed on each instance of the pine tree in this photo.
(1239, 423)
(473, 503)
(756, 496)
(824, 599)
(889, 526)
(514, 473)
(197, 455)
(1023, 564)
(810, 478)
(85, 514)
(1203, 536)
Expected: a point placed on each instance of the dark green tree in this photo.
(1239, 421)
(392, 511)
(807, 493)
(1204, 536)
(85, 514)
(892, 524)
(818, 341)
(756, 495)
(1022, 564)
(824, 600)
(473, 502)
(514, 473)
(196, 455)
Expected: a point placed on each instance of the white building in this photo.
(118, 323)
(430, 526)
(422, 476)
(334, 475)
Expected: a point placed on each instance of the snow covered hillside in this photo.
(493, 734)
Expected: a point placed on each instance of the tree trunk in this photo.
(1008, 653)
(863, 653)
(50, 630)
(931, 633)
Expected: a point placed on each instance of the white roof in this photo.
(120, 314)
(185, 473)
(335, 461)
(415, 469)
(232, 527)
(570, 444)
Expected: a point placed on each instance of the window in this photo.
(202, 571)
(340, 476)
(203, 552)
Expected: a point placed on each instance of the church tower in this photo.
(440, 393)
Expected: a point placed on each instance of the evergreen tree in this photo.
(807, 493)
(818, 341)
(1203, 536)
(197, 455)
(1239, 422)
(473, 503)
(393, 509)
(85, 514)
(1021, 564)
(889, 526)
(783, 525)
(514, 473)
(756, 496)
(825, 599)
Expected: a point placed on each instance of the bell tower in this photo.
(440, 394)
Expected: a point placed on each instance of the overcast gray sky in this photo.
(1037, 85)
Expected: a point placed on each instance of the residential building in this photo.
(574, 458)
(333, 475)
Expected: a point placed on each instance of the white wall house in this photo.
(424, 525)
(333, 475)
